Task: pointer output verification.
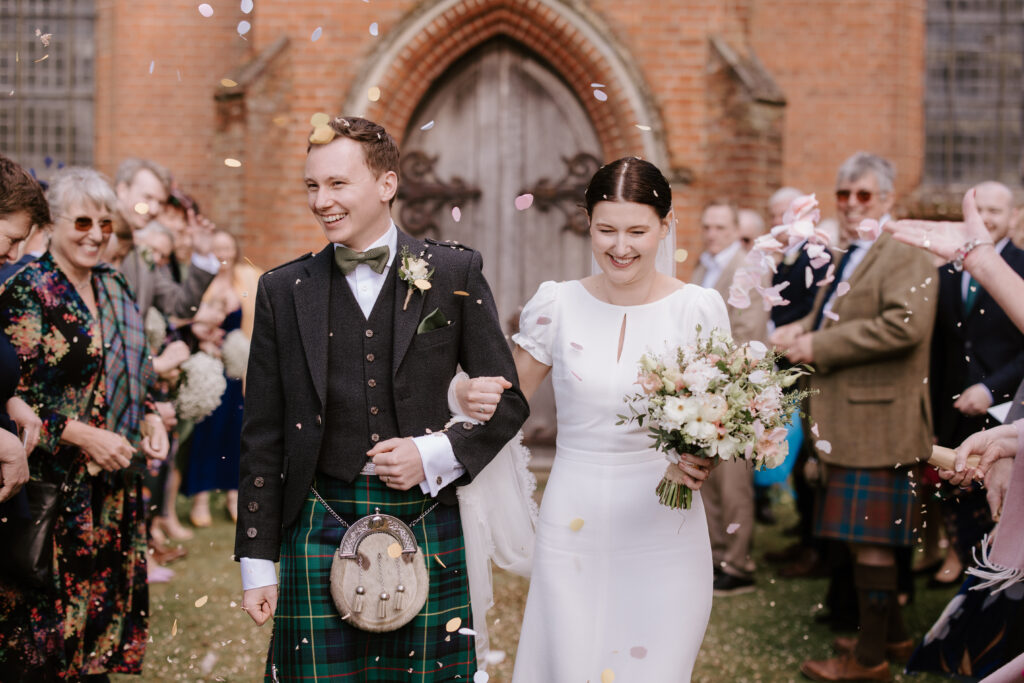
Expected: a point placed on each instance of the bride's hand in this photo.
(695, 469)
(479, 397)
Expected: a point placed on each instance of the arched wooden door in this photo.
(500, 123)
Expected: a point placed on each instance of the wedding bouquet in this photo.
(235, 354)
(714, 399)
(200, 388)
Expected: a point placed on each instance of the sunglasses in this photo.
(85, 223)
(863, 196)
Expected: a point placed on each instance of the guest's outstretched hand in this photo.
(943, 238)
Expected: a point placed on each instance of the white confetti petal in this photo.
(731, 529)
(823, 446)
(243, 27)
(317, 32)
(428, 125)
(600, 95)
(206, 10)
(246, 6)
(456, 214)
(374, 29)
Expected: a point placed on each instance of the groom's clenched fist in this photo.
(398, 463)
(260, 603)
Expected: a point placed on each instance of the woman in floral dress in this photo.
(86, 371)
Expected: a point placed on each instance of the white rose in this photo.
(418, 269)
(713, 408)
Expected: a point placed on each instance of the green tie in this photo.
(347, 259)
(972, 294)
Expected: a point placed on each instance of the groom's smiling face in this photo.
(348, 200)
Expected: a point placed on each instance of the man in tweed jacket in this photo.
(350, 364)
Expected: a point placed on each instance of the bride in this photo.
(620, 583)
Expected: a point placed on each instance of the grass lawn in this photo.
(761, 636)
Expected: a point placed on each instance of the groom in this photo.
(347, 393)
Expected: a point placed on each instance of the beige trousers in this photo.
(728, 496)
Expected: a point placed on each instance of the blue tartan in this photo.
(310, 640)
(876, 506)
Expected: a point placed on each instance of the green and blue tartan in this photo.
(312, 643)
(876, 506)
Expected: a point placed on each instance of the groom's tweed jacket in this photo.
(871, 365)
(286, 381)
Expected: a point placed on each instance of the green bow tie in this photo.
(347, 259)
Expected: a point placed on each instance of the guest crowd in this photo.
(110, 289)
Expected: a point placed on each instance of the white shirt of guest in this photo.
(439, 463)
(716, 263)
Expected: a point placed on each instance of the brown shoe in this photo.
(844, 668)
(899, 651)
(788, 554)
(810, 564)
(166, 554)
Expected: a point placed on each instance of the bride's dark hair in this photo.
(630, 179)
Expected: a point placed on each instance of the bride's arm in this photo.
(530, 370)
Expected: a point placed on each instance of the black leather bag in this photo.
(28, 543)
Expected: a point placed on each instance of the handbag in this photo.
(379, 579)
(28, 543)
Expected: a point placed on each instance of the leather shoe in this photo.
(166, 554)
(788, 554)
(899, 651)
(809, 565)
(727, 584)
(844, 668)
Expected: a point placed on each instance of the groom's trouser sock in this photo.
(879, 611)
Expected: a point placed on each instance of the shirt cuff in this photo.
(439, 463)
(207, 262)
(257, 573)
(991, 397)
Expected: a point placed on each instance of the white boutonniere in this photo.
(416, 272)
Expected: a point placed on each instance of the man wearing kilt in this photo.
(352, 354)
(870, 350)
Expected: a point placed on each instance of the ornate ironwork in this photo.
(423, 194)
(566, 194)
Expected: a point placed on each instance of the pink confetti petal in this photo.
(577, 376)
(823, 446)
(842, 288)
(808, 277)
(869, 229)
(731, 529)
(576, 346)
(814, 430)
(738, 298)
(638, 652)
(524, 201)
(543, 320)
(832, 315)
(456, 214)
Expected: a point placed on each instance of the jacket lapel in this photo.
(406, 321)
(312, 308)
(864, 266)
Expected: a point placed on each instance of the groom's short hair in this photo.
(379, 148)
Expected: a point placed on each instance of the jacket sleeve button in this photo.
(251, 532)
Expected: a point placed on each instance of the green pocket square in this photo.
(433, 321)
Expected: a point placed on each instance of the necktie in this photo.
(347, 259)
(835, 283)
(972, 295)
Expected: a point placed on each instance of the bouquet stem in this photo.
(672, 491)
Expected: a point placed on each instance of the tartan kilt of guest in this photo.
(310, 641)
(876, 506)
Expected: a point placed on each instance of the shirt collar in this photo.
(389, 239)
(722, 258)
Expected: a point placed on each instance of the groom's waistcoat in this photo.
(360, 396)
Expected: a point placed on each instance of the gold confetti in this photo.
(373, 94)
(202, 601)
(440, 562)
(141, 208)
(281, 120)
(607, 676)
(576, 524)
(321, 135)
(459, 292)
(422, 284)
(46, 56)
(394, 551)
(681, 255)
(319, 119)
(453, 624)
(232, 163)
(174, 628)
(642, 127)
(228, 83)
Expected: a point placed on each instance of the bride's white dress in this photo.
(619, 582)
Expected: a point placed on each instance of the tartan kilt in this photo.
(876, 506)
(310, 641)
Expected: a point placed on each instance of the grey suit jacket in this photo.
(286, 381)
(155, 286)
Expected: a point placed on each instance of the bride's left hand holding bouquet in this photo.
(718, 400)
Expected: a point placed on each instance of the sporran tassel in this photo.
(382, 606)
(400, 598)
(357, 607)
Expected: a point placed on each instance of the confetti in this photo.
(600, 96)
(456, 214)
(45, 57)
(832, 315)
(524, 201)
(152, 65)
(823, 446)
(842, 288)
(206, 10)
(808, 277)
(597, 85)
(141, 208)
(394, 551)
(202, 601)
(459, 292)
(373, 94)
(681, 255)
(319, 119)
(642, 126)
(244, 27)
(174, 628)
(44, 38)
(607, 676)
(576, 376)
(317, 32)
(543, 320)
(576, 524)
(481, 677)
(576, 346)
(374, 29)
(246, 6)
(453, 624)
(467, 632)
(731, 529)
(232, 163)
(440, 562)
(638, 652)
(428, 125)
(228, 83)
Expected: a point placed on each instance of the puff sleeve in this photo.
(710, 312)
(537, 323)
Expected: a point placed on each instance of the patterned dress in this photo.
(92, 619)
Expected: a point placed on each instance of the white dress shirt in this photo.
(439, 463)
(716, 263)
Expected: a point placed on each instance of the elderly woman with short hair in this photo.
(87, 372)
